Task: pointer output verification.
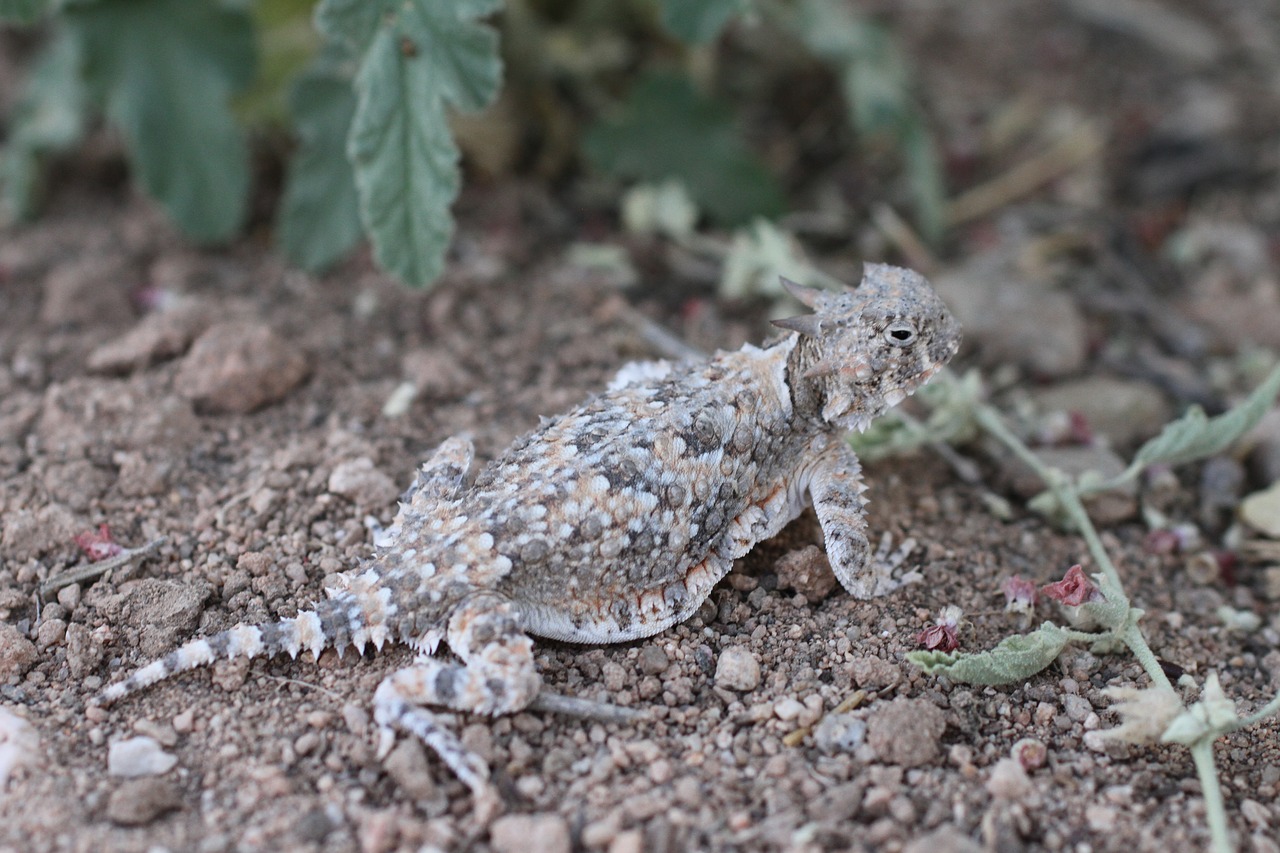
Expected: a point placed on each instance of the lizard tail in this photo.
(337, 622)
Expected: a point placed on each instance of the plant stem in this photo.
(1066, 493)
(1214, 809)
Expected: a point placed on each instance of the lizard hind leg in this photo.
(497, 675)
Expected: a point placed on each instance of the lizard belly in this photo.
(618, 607)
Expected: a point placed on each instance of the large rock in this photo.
(1013, 318)
(1126, 411)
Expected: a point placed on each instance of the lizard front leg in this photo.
(497, 675)
(836, 486)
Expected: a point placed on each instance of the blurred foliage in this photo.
(666, 129)
(375, 93)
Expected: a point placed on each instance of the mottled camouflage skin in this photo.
(615, 520)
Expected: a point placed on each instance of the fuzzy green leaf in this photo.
(49, 117)
(666, 129)
(424, 57)
(353, 23)
(320, 212)
(166, 70)
(1195, 436)
(1014, 659)
(699, 21)
(22, 11)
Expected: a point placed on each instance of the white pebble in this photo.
(787, 709)
(737, 669)
(138, 756)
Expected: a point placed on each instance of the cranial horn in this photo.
(808, 296)
(806, 324)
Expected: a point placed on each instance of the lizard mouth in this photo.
(895, 396)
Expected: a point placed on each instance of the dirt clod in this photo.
(165, 611)
(807, 571)
(906, 732)
(17, 653)
(363, 484)
(238, 367)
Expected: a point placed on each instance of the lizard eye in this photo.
(900, 334)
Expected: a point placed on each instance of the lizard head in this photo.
(865, 349)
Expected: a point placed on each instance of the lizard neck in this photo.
(807, 396)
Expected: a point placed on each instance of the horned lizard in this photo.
(614, 521)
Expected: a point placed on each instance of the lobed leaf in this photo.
(1195, 436)
(1014, 659)
(49, 117)
(425, 56)
(319, 218)
(699, 21)
(666, 129)
(166, 70)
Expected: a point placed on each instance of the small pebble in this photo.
(183, 723)
(1009, 780)
(69, 597)
(137, 802)
(661, 772)
(138, 756)
(630, 841)
(839, 733)
(1256, 813)
(50, 633)
(522, 833)
(653, 660)
(407, 765)
(355, 717)
(788, 709)
(1077, 707)
(17, 653)
(737, 669)
(1030, 753)
(613, 676)
(1101, 818)
(806, 571)
(944, 839)
(360, 482)
(164, 735)
(306, 743)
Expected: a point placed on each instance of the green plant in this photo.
(1157, 712)
(370, 100)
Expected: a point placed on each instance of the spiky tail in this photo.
(338, 622)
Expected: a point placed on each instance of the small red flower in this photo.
(1227, 563)
(1080, 430)
(1020, 594)
(1073, 590)
(98, 545)
(943, 635)
(1162, 541)
(939, 638)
